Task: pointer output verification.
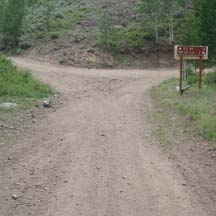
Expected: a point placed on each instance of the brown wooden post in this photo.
(200, 71)
(181, 72)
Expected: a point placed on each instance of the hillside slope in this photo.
(73, 32)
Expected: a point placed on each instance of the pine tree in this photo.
(188, 31)
(2, 2)
(11, 21)
(206, 13)
(199, 27)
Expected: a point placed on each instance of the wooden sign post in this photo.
(191, 52)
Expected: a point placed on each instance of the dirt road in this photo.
(96, 155)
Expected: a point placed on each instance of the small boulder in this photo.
(8, 105)
(47, 103)
(14, 197)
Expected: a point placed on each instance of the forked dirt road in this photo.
(94, 156)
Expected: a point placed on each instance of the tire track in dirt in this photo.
(92, 157)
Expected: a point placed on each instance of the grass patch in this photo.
(19, 83)
(196, 109)
(162, 136)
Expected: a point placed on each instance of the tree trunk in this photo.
(170, 35)
(172, 31)
(157, 35)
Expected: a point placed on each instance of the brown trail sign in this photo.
(191, 52)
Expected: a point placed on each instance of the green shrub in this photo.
(192, 78)
(107, 38)
(68, 20)
(210, 78)
(54, 35)
(91, 50)
(39, 35)
(135, 36)
(121, 39)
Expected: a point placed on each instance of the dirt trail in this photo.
(94, 156)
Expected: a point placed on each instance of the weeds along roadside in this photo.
(196, 109)
(19, 85)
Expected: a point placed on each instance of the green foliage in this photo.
(30, 20)
(206, 13)
(193, 79)
(54, 35)
(1, 10)
(108, 37)
(151, 11)
(163, 21)
(68, 20)
(210, 78)
(192, 76)
(198, 27)
(121, 39)
(135, 36)
(158, 21)
(11, 21)
(20, 83)
(188, 33)
(47, 12)
(195, 109)
(159, 16)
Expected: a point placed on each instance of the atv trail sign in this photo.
(191, 52)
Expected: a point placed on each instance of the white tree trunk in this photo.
(172, 31)
(156, 35)
(170, 35)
